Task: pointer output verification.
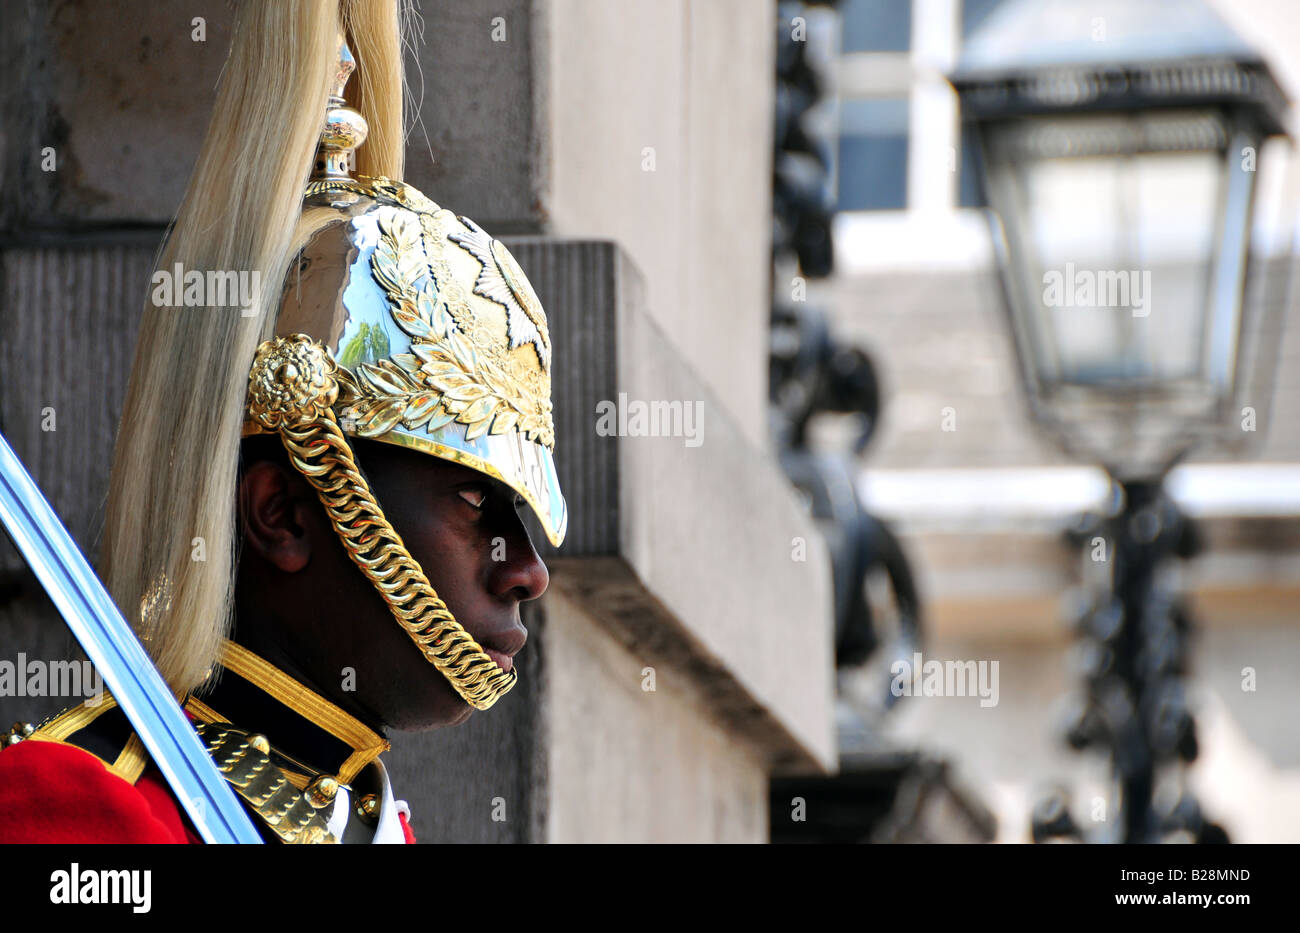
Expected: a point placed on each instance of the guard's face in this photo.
(465, 531)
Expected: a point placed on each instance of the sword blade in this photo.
(113, 648)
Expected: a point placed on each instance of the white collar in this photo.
(346, 827)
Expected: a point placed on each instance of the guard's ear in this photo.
(269, 515)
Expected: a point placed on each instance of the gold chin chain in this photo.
(292, 387)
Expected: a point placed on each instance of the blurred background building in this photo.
(980, 506)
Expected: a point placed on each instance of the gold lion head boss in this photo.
(398, 323)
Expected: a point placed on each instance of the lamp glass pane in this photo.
(1112, 226)
(1124, 246)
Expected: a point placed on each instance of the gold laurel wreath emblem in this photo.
(445, 377)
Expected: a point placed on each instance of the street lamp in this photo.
(1118, 144)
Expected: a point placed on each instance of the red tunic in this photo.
(51, 792)
(83, 777)
(56, 793)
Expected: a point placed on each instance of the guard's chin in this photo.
(463, 716)
(448, 716)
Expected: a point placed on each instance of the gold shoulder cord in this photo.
(292, 387)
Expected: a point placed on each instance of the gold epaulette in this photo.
(245, 760)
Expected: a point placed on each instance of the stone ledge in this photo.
(1012, 585)
(992, 562)
(684, 552)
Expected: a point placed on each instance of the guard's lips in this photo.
(502, 646)
(505, 658)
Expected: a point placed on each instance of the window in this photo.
(873, 146)
(877, 25)
(899, 136)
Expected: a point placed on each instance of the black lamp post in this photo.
(1119, 142)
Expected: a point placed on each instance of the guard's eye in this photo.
(474, 495)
